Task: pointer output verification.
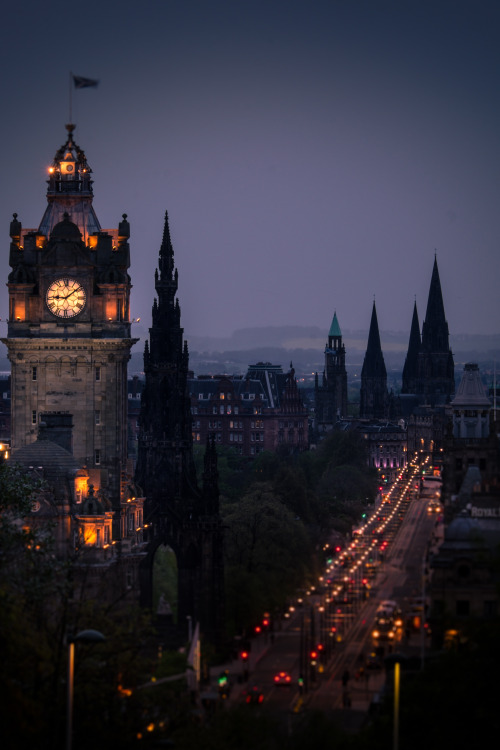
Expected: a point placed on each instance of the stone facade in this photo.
(68, 342)
(262, 411)
(330, 397)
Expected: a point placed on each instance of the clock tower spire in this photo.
(70, 190)
(69, 334)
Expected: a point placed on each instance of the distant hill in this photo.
(304, 346)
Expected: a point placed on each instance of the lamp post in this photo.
(397, 675)
(395, 661)
(84, 636)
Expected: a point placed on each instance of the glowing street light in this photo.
(84, 636)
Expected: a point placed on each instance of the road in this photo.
(394, 542)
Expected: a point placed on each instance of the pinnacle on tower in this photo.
(335, 328)
(435, 367)
(373, 395)
(166, 259)
(414, 346)
(435, 335)
(374, 364)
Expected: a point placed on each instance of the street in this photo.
(326, 643)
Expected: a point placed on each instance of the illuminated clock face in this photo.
(65, 298)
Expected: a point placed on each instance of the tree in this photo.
(267, 553)
(38, 612)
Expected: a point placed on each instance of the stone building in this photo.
(464, 578)
(68, 342)
(386, 447)
(428, 374)
(260, 411)
(471, 440)
(330, 397)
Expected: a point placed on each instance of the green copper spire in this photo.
(335, 328)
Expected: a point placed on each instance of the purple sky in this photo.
(311, 155)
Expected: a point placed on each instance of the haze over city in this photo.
(311, 156)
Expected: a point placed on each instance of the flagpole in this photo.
(70, 103)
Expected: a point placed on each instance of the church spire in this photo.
(335, 328)
(374, 364)
(435, 335)
(435, 366)
(373, 395)
(410, 366)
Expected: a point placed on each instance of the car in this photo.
(282, 679)
(253, 695)
(389, 610)
(384, 629)
(387, 605)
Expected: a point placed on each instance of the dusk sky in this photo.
(312, 156)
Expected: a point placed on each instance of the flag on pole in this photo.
(84, 83)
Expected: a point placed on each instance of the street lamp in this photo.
(395, 660)
(84, 636)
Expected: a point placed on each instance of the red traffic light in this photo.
(244, 655)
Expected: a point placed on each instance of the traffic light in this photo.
(223, 680)
(314, 656)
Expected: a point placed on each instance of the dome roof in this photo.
(462, 529)
(471, 392)
(66, 230)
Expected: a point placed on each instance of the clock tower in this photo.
(69, 336)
